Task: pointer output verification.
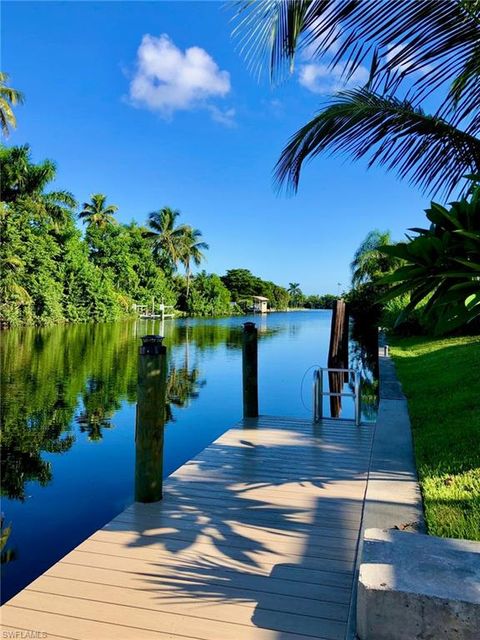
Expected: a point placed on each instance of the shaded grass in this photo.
(441, 379)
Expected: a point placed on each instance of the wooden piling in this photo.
(338, 349)
(338, 355)
(150, 420)
(250, 370)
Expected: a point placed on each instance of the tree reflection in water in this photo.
(6, 555)
(363, 356)
(58, 383)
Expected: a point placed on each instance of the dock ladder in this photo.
(319, 393)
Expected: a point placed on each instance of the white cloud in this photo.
(168, 79)
(223, 116)
(321, 79)
(408, 65)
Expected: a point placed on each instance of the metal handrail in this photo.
(318, 392)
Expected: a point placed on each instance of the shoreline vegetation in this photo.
(53, 273)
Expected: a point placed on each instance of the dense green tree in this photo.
(325, 301)
(9, 97)
(49, 277)
(124, 255)
(152, 280)
(97, 213)
(208, 296)
(414, 51)
(89, 293)
(242, 284)
(10, 291)
(25, 231)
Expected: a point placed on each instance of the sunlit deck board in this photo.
(256, 539)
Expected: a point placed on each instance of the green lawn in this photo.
(441, 379)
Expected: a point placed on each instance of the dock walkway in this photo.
(256, 539)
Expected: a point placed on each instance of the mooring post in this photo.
(150, 423)
(338, 355)
(338, 348)
(250, 370)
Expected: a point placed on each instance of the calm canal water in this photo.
(68, 415)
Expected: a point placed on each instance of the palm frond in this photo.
(425, 42)
(431, 152)
(8, 97)
(62, 197)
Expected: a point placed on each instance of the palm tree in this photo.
(10, 267)
(294, 291)
(22, 178)
(8, 98)
(167, 239)
(192, 248)
(412, 48)
(97, 213)
(369, 262)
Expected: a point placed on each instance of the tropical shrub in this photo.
(395, 318)
(441, 265)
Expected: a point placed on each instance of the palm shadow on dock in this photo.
(263, 533)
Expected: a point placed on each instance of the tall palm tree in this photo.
(369, 262)
(8, 98)
(167, 238)
(414, 50)
(294, 290)
(97, 213)
(192, 251)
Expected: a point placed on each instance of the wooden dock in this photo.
(256, 539)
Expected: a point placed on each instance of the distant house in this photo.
(260, 304)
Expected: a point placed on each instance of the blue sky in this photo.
(151, 104)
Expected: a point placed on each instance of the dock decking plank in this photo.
(255, 540)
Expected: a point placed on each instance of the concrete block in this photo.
(418, 587)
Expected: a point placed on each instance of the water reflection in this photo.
(6, 554)
(363, 355)
(59, 376)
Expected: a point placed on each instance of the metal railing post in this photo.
(358, 399)
(320, 394)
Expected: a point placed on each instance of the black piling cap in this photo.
(249, 326)
(152, 345)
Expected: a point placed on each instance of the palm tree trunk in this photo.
(188, 279)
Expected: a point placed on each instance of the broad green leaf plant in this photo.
(441, 265)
